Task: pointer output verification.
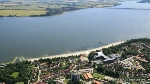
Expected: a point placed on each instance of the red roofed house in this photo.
(88, 76)
(97, 82)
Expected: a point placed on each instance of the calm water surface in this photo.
(73, 31)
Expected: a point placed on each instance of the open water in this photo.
(73, 31)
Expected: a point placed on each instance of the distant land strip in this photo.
(131, 8)
(36, 13)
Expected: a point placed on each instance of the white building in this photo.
(114, 56)
(100, 55)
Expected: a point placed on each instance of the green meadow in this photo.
(21, 12)
(15, 74)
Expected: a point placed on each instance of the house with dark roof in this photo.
(72, 60)
(71, 66)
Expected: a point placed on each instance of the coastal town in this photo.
(124, 63)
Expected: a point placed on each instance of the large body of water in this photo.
(72, 31)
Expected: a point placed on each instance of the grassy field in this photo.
(15, 74)
(66, 81)
(19, 83)
(98, 75)
(21, 12)
(31, 6)
(26, 8)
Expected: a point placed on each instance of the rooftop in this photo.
(88, 76)
(97, 82)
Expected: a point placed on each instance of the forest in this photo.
(17, 72)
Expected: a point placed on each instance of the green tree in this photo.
(51, 82)
(91, 55)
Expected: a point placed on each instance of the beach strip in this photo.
(77, 53)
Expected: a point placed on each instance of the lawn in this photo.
(21, 12)
(15, 74)
(98, 75)
(19, 83)
(66, 81)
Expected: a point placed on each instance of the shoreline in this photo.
(76, 53)
(59, 13)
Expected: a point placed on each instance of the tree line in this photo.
(107, 72)
(56, 11)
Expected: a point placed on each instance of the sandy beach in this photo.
(77, 53)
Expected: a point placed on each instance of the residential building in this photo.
(75, 77)
(97, 82)
(88, 76)
(100, 55)
(114, 56)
